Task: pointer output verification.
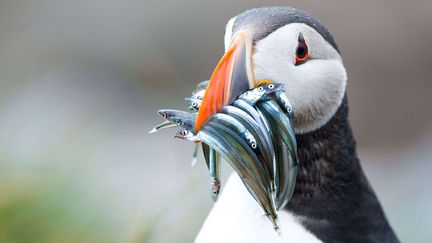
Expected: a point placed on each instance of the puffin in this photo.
(332, 200)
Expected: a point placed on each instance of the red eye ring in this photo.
(302, 50)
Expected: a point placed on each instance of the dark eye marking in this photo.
(302, 51)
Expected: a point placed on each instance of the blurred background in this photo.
(81, 81)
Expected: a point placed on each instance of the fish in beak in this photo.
(231, 77)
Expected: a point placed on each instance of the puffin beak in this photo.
(231, 77)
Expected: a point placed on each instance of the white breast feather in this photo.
(237, 218)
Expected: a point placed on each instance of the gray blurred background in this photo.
(80, 83)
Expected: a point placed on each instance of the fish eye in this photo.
(164, 115)
(260, 89)
(194, 104)
(178, 122)
(184, 132)
(254, 145)
(271, 86)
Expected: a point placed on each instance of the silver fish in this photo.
(194, 103)
(236, 126)
(285, 170)
(265, 147)
(243, 149)
(277, 173)
(275, 91)
(284, 102)
(211, 156)
(168, 113)
(186, 134)
(288, 168)
(250, 110)
(284, 162)
(179, 118)
(285, 148)
(253, 95)
(279, 120)
(206, 152)
(184, 122)
(228, 144)
(187, 120)
(195, 155)
(261, 92)
(214, 169)
(164, 124)
(195, 100)
(228, 128)
(268, 92)
(256, 177)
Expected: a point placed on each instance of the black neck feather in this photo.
(332, 195)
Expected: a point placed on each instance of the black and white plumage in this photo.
(332, 201)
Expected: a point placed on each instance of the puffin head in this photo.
(283, 45)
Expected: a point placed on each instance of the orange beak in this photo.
(231, 77)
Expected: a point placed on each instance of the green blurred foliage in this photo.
(52, 210)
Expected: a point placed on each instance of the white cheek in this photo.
(316, 92)
(315, 88)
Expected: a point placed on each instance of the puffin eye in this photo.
(302, 51)
(260, 89)
(199, 97)
(271, 86)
